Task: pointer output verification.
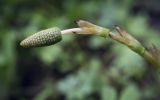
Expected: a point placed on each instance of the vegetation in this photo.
(80, 67)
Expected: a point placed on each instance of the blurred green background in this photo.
(79, 67)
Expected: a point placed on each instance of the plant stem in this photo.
(73, 31)
(122, 37)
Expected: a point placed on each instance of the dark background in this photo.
(79, 67)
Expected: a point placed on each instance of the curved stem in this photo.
(122, 37)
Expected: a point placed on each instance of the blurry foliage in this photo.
(79, 67)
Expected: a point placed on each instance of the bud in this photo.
(43, 38)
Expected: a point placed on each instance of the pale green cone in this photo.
(43, 38)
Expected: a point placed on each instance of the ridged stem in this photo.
(122, 37)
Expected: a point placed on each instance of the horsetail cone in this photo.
(43, 38)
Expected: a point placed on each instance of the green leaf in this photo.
(131, 92)
(49, 54)
(108, 93)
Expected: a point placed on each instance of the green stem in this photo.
(122, 37)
